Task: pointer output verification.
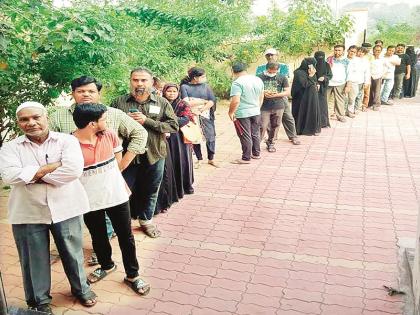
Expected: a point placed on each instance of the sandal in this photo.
(99, 274)
(271, 148)
(88, 300)
(150, 230)
(93, 260)
(138, 286)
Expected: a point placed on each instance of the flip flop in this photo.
(138, 286)
(99, 273)
(150, 230)
(88, 300)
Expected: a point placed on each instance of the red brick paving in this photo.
(310, 229)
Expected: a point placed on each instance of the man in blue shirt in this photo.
(288, 121)
(246, 97)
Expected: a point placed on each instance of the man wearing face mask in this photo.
(276, 91)
(288, 121)
(144, 176)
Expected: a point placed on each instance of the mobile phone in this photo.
(133, 110)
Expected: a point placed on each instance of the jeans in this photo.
(250, 136)
(387, 85)
(270, 120)
(398, 84)
(144, 181)
(120, 218)
(289, 122)
(211, 149)
(33, 245)
(336, 98)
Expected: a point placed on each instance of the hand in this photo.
(347, 89)
(137, 116)
(407, 77)
(232, 116)
(321, 79)
(269, 94)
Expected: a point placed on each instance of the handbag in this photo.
(192, 132)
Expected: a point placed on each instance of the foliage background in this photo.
(42, 47)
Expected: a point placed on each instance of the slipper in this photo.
(138, 286)
(271, 148)
(240, 161)
(88, 300)
(150, 230)
(295, 141)
(93, 260)
(99, 273)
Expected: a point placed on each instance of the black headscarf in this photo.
(321, 64)
(306, 62)
(411, 53)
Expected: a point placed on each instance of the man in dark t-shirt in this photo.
(401, 71)
(276, 91)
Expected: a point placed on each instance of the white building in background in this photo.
(360, 19)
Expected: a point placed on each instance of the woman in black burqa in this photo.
(410, 84)
(324, 75)
(305, 103)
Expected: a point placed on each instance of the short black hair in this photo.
(142, 69)
(272, 65)
(340, 45)
(367, 45)
(390, 47)
(377, 46)
(379, 41)
(402, 45)
(364, 50)
(85, 113)
(353, 47)
(85, 80)
(239, 67)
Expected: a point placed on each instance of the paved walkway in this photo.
(310, 229)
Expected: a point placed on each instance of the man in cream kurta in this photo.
(43, 167)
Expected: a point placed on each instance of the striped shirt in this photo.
(101, 176)
(123, 125)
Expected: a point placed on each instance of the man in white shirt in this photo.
(355, 79)
(362, 99)
(43, 167)
(377, 70)
(391, 61)
(338, 87)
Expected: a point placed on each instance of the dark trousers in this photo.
(375, 92)
(288, 123)
(144, 180)
(121, 222)
(33, 246)
(249, 136)
(211, 150)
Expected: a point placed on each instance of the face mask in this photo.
(268, 74)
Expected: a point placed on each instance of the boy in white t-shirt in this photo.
(107, 193)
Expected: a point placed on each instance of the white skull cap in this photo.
(29, 104)
(271, 51)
